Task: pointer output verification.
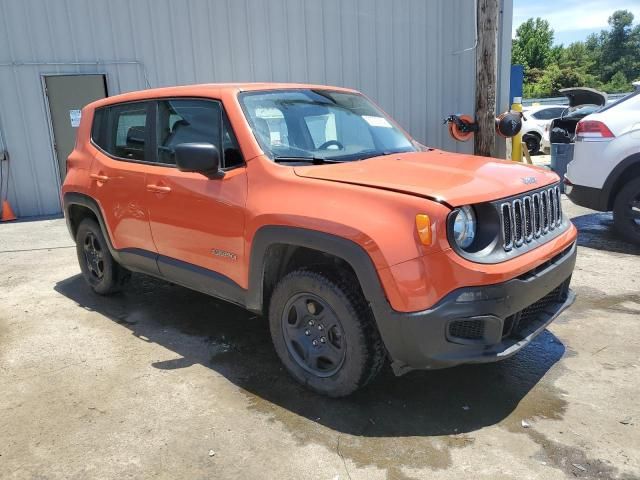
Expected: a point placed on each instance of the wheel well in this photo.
(630, 173)
(76, 214)
(532, 133)
(281, 259)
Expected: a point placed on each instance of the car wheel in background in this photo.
(626, 211)
(533, 143)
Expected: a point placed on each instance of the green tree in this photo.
(532, 46)
(608, 60)
(618, 84)
(577, 55)
(621, 48)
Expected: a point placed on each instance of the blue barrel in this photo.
(561, 155)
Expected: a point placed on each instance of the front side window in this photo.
(321, 124)
(194, 121)
(121, 130)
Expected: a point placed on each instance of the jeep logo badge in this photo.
(529, 180)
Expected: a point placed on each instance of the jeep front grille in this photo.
(530, 216)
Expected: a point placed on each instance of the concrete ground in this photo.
(164, 382)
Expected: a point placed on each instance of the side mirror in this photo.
(203, 158)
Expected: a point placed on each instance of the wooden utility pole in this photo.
(486, 76)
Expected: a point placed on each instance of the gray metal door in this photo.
(66, 95)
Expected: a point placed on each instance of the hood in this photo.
(584, 96)
(453, 178)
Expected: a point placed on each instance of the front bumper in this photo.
(482, 324)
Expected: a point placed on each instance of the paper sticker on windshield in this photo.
(274, 138)
(377, 121)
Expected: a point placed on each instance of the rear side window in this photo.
(548, 113)
(193, 120)
(121, 130)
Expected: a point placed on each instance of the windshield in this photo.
(321, 124)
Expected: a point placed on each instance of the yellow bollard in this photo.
(516, 142)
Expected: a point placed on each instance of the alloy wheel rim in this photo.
(94, 256)
(313, 335)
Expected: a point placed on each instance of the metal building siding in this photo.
(399, 52)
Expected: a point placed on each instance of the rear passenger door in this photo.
(197, 222)
(121, 133)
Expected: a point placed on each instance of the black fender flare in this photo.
(74, 198)
(612, 183)
(343, 248)
(340, 247)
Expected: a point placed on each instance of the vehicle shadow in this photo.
(237, 345)
(595, 230)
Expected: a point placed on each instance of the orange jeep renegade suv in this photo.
(309, 205)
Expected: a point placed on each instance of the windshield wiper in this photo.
(313, 160)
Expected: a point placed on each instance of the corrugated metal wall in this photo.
(400, 52)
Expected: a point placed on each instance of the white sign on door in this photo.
(74, 116)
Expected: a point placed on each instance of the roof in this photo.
(207, 89)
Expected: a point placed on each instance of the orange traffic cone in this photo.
(7, 213)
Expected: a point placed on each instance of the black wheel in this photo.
(626, 211)
(533, 143)
(324, 333)
(103, 274)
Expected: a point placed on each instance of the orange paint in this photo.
(373, 202)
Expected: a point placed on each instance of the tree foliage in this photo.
(608, 60)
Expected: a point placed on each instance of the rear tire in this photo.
(101, 272)
(533, 143)
(626, 211)
(324, 333)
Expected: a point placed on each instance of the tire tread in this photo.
(373, 353)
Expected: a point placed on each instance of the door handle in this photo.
(158, 188)
(99, 178)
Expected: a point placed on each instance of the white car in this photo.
(604, 174)
(535, 120)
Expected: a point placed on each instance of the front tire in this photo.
(324, 333)
(626, 211)
(99, 269)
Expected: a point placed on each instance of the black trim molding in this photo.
(588, 197)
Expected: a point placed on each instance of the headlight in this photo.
(464, 226)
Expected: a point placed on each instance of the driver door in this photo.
(197, 223)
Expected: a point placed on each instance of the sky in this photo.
(572, 20)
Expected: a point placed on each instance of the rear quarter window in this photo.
(98, 126)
